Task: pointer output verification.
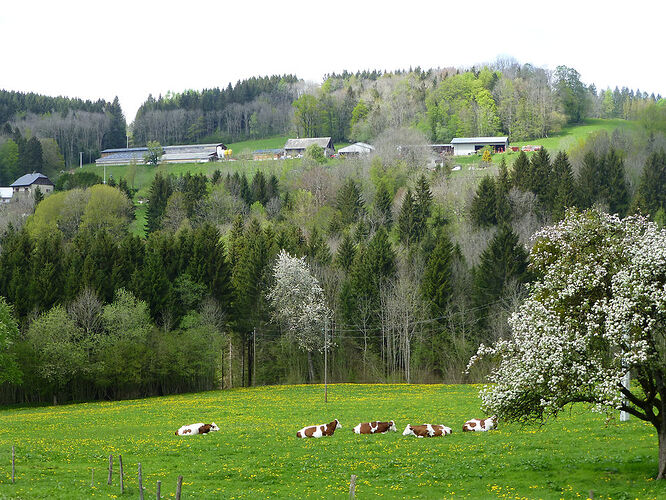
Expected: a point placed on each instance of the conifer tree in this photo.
(540, 177)
(384, 204)
(502, 187)
(503, 261)
(422, 206)
(589, 180)
(344, 258)
(651, 195)
(160, 190)
(115, 136)
(407, 232)
(34, 159)
(259, 188)
(350, 202)
(520, 174)
(437, 285)
(563, 186)
(618, 190)
(317, 248)
(483, 209)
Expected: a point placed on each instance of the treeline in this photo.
(76, 126)
(253, 108)
(20, 155)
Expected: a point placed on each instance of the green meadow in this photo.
(256, 453)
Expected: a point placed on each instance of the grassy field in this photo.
(257, 455)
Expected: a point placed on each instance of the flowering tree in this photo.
(596, 311)
(298, 303)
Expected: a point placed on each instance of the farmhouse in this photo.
(28, 184)
(295, 147)
(356, 149)
(470, 145)
(192, 153)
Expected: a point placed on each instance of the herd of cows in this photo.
(377, 427)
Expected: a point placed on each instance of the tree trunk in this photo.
(310, 367)
(662, 452)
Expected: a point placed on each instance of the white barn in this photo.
(470, 145)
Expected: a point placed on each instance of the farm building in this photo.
(192, 153)
(470, 145)
(356, 149)
(267, 154)
(295, 147)
(6, 194)
(28, 183)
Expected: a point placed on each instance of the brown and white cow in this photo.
(480, 425)
(427, 430)
(375, 427)
(190, 430)
(317, 431)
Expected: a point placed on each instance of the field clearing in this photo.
(257, 455)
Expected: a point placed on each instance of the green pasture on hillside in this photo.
(256, 453)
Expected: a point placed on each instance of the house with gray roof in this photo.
(295, 147)
(356, 149)
(27, 184)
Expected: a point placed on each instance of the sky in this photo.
(130, 49)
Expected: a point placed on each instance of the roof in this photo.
(265, 151)
(6, 192)
(29, 179)
(358, 147)
(477, 140)
(166, 148)
(324, 142)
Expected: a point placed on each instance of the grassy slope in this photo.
(256, 453)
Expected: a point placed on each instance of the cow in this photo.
(190, 430)
(427, 430)
(375, 427)
(480, 425)
(317, 431)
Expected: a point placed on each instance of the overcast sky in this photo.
(99, 49)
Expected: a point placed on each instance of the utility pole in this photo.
(254, 356)
(80, 159)
(326, 360)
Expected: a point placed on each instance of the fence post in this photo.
(352, 487)
(13, 462)
(591, 495)
(92, 478)
(159, 488)
(140, 483)
(122, 483)
(179, 485)
(110, 468)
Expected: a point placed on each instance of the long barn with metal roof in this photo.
(187, 153)
(470, 145)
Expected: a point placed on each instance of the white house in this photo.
(470, 145)
(356, 149)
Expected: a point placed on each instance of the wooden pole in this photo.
(591, 495)
(254, 356)
(122, 482)
(352, 487)
(325, 361)
(92, 478)
(13, 464)
(179, 485)
(140, 483)
(110, 469)
(159, 488)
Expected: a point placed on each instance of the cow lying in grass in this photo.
(375, 427)
(426, 430)
(189, 430)
(317, 431)
(480, 425)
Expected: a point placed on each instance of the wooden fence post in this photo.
(591, 495)
(122, 484)
(140, 483)
(13, 462)
(159, 488)
(110, 468)
(179, 485)
(352, 487)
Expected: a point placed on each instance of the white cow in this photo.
(189, 430)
